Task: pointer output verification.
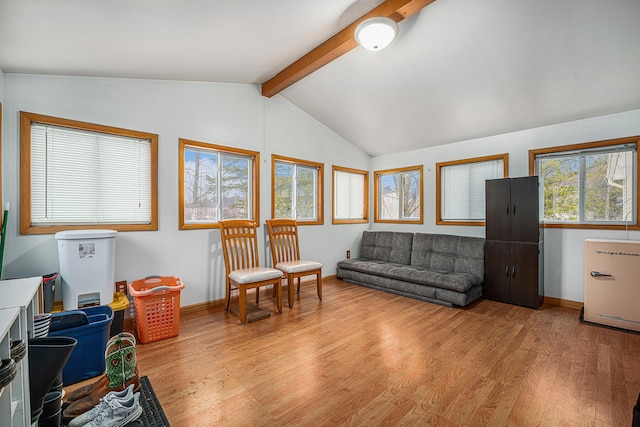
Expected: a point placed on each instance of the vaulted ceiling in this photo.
(459, 69)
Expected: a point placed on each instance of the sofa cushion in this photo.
(459, 282)
(371, 266)
(456, 254)
(386, 246)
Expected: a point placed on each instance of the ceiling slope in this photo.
(458, 70)
(338, 45)
(463, 69)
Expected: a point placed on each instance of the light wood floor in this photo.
(363, 357)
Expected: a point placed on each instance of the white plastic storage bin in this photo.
(87, 263)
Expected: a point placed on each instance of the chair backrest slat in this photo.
(239, 244)
(283, 240)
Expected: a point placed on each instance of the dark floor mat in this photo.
(152, 413)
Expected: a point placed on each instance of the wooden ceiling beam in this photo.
(338, 45)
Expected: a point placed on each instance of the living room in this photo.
(237, 115)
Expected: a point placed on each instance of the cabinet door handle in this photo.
(506, 271)
(513, 212)
(507, 208)
(598, 274)
(513, 272)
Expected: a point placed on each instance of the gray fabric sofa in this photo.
(438, 268)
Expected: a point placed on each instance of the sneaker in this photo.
(118, 413)
(88, 416)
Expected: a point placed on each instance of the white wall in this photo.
(227, 114)
(236, 115)
(564, 248)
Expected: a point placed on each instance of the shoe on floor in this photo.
(86, 390)
(88, 416)
(88, 402)
(118, 413)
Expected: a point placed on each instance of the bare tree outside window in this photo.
(399, 195)
(216, 183)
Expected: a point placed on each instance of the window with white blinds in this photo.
(350, 195)
(85, 177)
(461, 189)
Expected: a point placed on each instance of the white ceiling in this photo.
(459, 69)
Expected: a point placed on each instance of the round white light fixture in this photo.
(376, 33)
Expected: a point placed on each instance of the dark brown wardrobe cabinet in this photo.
(514, 244)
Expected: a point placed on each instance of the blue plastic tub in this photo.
(87, 359)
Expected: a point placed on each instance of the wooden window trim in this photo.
(365, 213)
(320, 189)
(585, 146)
(439, 221)
(376, 195)
(255, 194)
(26, 119)
(1, 199)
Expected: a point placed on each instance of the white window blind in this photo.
(349, 195)
(463, 194)
(81, 177)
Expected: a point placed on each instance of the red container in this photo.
(157, 305)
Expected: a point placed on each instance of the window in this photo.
(216, 183)
(460, 198)
(398, 195)
(82, 175)
(297, 190)
(350, 195)
(591, 185)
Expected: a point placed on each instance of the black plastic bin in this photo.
(48, 291)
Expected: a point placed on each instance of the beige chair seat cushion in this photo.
(298, 266)
(254, 274)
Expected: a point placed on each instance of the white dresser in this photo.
(18, 304)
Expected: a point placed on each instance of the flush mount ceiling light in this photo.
(376, 33)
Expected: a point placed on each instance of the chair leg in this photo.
(279, 297)
(257, 296)
(319, 285)
(243, 304)
(290, 285)
(298, 291)
(227, 296)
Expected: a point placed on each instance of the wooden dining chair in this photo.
(243, 271)
(285, 252)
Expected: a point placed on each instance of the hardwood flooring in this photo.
(363, 357)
